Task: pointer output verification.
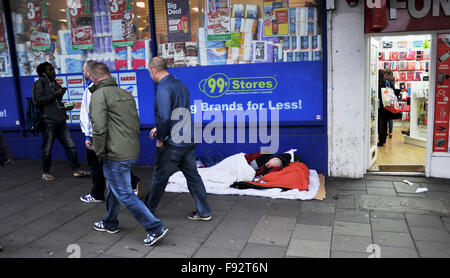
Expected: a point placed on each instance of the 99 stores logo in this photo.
(219, 84)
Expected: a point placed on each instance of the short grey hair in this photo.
(90, 65)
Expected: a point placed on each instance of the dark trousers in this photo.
(5, 152)
(98, 178)
(382, 126)
(170, 159)
(61, 132)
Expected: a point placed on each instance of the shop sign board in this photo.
(122, 22)
(295, 89)
(37, 13)
(384, 16)
(178, 21)
(442, 104)
(81, 25)
(276, 17)
(218, 20)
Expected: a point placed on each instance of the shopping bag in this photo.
(390, 100)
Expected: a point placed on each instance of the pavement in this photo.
(377, 216)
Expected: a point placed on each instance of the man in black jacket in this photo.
(47, 94)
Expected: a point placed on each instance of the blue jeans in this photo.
(170, 159)
(391, 125)
(118, 180)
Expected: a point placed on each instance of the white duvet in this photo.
(218, 178)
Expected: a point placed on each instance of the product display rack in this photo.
(410, 60)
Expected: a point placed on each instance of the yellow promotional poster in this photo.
(276, 17)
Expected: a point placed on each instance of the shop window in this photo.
(220, 32)
(5, 59)
(67, 33)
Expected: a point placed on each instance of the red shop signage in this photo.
(442, 96)
(384, 16)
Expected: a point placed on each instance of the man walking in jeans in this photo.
(98, 180)
(115, 130)
(171, 154)
(47, 94)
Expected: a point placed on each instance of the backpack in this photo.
(33, 121)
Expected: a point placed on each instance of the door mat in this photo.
(401, 168)
(321, 194)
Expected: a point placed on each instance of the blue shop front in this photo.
(256, 69)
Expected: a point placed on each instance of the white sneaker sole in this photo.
(105, 230)
(158, 238)
(200, 218)
(86, 201)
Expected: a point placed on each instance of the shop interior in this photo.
(409, 58)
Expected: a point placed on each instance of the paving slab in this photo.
(389, 225)
(351, 229)
(348, 255)
(346, 202)
(351, 215)
(426, 221)
(308, 248)
(398, 252)
(386, 214)
(430, 234)
(318, 207)
(401, 187)
(271, 237)
(208, 252)
(253, 250)
(404, 204)
(321, 219)
(393, 239)
(379, 184)
(381, 191)
(348, 243)
(312, 232)
(428, 249)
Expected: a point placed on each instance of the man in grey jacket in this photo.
(115, 132)
(98, 180)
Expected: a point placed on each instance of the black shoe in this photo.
(195, 216)
(380, 144)
(2, 163)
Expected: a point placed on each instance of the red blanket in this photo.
(293, 176)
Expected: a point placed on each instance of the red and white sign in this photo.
(40, 27)
(75, 81)
(384, 16)
(122, 22)
(442, 104)
(81, 25)
(127, 78)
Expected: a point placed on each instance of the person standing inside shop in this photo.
(98, 180)
(171, 95)
(385, 79)
(115, 131)
(47, 95)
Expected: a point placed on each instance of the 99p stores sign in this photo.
(220, 84)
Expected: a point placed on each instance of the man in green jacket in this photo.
(115, 132)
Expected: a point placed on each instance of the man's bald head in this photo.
(158, 69)
(159, 64)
